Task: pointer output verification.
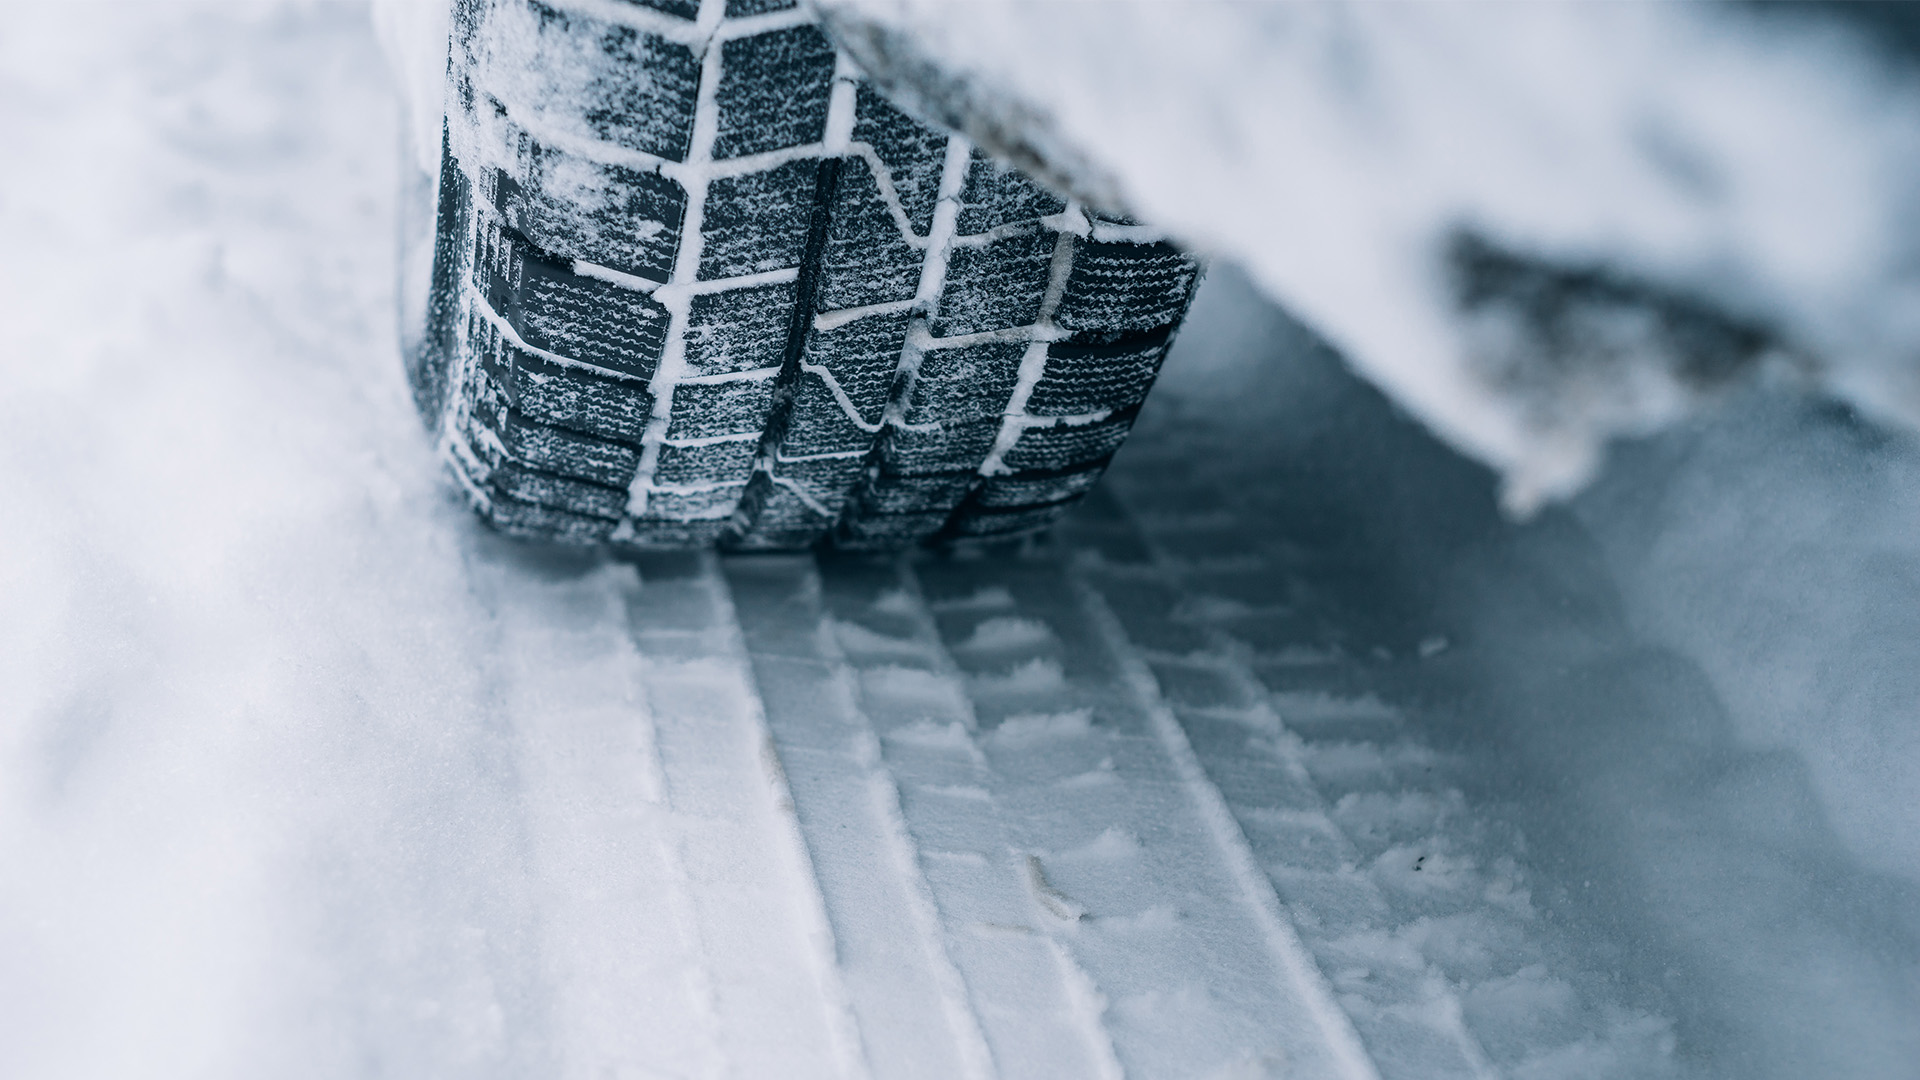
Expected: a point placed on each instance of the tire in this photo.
(694, 282)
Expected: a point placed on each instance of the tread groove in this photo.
(759, 486)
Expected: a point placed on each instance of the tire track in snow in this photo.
(1072, 804)
(910, 1004)
(1413, 901)
(781, 1008)
(613, 920)
(1031, 1000)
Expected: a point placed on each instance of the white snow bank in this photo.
(1758, 163)
(300, 774)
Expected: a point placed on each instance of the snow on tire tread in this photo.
(696, 282)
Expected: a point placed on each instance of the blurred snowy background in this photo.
(300, 774)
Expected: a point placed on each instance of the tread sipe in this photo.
(695, 282)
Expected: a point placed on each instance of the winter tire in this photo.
(693, 281)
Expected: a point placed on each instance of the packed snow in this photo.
(302, 774)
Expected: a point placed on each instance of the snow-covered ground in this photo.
(1290, 757)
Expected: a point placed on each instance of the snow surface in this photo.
(301, 774)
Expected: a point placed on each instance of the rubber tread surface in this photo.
(697, 283)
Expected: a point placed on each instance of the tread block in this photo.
(758, 221)
(529, 521)
(595, 322)
(739, 329)
(773, 91)
(946, 449)
(692, 504)
(862, 357)
(542, 446)
(996, 194)
(1063, 446)
(866, 260)
(818, 425)
(995, 286)
(560, 492)
(1027, 490)
(704, 410)
(788, 521)
(705, 463)
(483, 460)
(829, 480)
(913, 153)
(620, 218)
(553, 393)
(569, 453)
(739, 9)
(1081, 379)
(684, 9)
(589, 77)
(1120, 288)
(891, 493)
(968, 383)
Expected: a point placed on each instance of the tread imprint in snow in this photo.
(685, 9)
(563, 395)
(855, 327)
(739, 9)
(998, 195)
(996, 820)
(867, 260)
(1413, 901)
(738, 329)
(911, 152)
(757, 221)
